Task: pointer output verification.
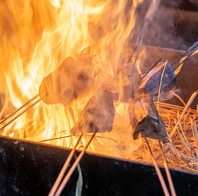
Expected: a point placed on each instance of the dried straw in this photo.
(184, 111)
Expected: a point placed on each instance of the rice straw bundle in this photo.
(182, 149)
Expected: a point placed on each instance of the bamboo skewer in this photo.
(185, 59)
(64, 168)
(161, 179)
(149, 16)
(19, 114)
(150, 69)
(19, 108)
(65, 180)
(140, 41)
(172, 189)
(160, 84)
(192, 48)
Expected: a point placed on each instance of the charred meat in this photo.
(144, 116)
(98, 114)
(65, 83)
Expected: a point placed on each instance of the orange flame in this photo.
(37, 37)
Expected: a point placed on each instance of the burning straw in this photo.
(181, 152)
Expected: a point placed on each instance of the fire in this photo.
(182, 60)
(37, 37)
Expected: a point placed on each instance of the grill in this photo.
(30, 168)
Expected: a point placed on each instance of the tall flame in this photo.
(36, 36)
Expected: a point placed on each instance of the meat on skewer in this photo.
(144, 116)
(65, 83)
(151, 80)
(98, 114)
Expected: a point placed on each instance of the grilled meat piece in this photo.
(98, 114)
(65, 83)
(144, 116)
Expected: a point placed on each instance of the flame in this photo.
(37, 37)
(182, 59)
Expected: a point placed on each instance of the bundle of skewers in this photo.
(68, 82)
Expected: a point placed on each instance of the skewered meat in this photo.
(144, 116)
(65, 83)
(130, 81)
(98, 115)
(152, 80)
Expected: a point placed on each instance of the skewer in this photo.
(65, 180)
(161, 179)
(149, 16)
(21, 112)
(64, 168)
(192, 48)
(170, 182)
(151, 68)
(185, 59)
(141, 39)
(139, 42)
(19, 108)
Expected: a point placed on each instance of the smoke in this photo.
(173, 26)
